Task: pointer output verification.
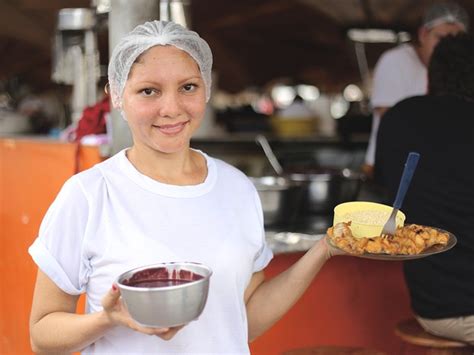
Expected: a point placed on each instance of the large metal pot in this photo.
(280, 197)
(324, 188)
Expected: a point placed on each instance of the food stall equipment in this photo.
(76, 58)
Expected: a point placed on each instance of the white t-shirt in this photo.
(111, 218)
(398, 74)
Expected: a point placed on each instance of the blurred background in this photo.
(291, 76)
(296, 75)
(266, 54)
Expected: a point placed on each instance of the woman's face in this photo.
(164, 99)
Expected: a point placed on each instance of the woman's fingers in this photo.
(328, 249)
(168, 335)
(331, 250)
(163, 333)
(147, 330)
(109, 301)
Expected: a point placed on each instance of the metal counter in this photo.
(290, 242)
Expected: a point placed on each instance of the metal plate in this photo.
(435, 249)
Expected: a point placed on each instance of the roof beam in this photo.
(247, 14)
(15, 24)
(50, 4)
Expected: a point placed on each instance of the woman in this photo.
(159, 201)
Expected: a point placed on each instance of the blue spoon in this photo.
(412, 161)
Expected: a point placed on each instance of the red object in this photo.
(93, 119)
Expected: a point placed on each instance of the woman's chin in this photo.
(172, 148)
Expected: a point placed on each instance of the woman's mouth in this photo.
(171, 129)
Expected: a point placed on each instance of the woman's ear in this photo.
(107, 89)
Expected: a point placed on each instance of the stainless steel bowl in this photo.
(280, 197)
(165, 306)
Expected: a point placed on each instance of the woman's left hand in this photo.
(330, 251)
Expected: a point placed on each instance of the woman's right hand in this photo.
(117, 313)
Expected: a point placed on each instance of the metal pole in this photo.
(124, 16)
(91, 58)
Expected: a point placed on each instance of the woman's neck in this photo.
(186, 167)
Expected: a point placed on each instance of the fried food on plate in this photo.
(408, 240)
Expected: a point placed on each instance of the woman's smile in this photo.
(172, 129)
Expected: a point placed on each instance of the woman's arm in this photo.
(268, 301)
(56, 327)
(54, 324)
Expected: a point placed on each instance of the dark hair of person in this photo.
(451, 68)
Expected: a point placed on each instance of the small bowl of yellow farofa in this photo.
(366, 218)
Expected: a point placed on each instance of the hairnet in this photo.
(446, 12)
(151, 34)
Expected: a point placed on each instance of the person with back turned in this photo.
(401, 72)
(440, 126)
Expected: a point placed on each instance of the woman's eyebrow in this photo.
(155, 82)
(194, 77)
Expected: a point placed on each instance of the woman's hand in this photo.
(117, 313)
(330, 251)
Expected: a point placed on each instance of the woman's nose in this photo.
(169, 105)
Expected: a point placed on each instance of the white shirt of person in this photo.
(398, 74)
(111, 218)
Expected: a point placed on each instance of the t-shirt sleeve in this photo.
(387, 88)
(58, 249)
(264, 254)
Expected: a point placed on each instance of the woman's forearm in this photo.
(62, 332)
(273, 298)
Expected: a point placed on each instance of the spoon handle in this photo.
(408, 171)
(262, 140)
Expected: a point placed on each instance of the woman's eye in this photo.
(189, 87)
(147, 92)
